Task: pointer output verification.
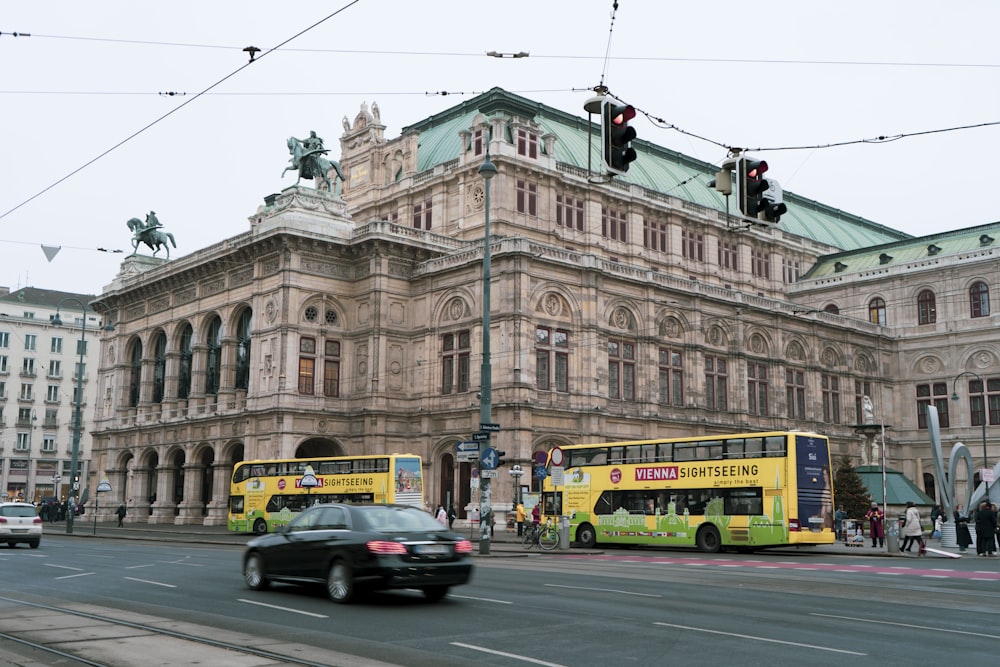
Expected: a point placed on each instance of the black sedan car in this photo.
(355, 548)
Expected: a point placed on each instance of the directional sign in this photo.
(489, 427)
(490, 474)
(467, 446)
(488, 459)
(481, 436)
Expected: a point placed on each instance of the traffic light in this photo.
(773, 204)
(616, 135)
(751, 184)
(500, 454)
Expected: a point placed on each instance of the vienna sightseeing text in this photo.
(656, 473)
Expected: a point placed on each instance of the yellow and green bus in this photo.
(266, 494)
(744, 491)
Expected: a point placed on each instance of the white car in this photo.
(19, 522)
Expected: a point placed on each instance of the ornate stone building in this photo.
(635, 308)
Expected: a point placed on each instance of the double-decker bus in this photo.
(742, 491)
(266, 494)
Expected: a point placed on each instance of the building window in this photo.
(477, 142)
(862, 388)
(159, 366)
(795, 393)
(56, 345)
(23, 440)
(81, 347)
(716, 383)
(936, 394)
(978, 406)
(757, 388)
(135, 373)
(26, 417)
(760, 263)
(26, 392)
(613, 224)
(4, 339)
(3, 363)
(569, 212)
(527, 143)
(979, 301)
(621, 369)
(831, 398)
(422, 215)
(29, 341)
(876, 311)
(693, 245)
(51, 418)
(455, 362)
(671, 377)
(184, 372)
(213, 361)
(52, 394)
(3, 394)
(55, 368)
(527, 197)
(331, 369)
(307, 365)
(789, 270)
(728, 255)
(654, 234)
(49, 443)
(552, 359)
(242, 376)
(28, 366)
(926, 308)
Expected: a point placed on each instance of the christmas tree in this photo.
(849, 491)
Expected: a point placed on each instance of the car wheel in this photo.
(708, 540)
(435, 593)
(586, 536)
(254, 573)
(34, 545)
(340, 582)
(260, 527)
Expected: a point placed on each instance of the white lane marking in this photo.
(288, 609)
(514, 656)
(70, 576)
(147, 581)
(64, 567)
(605, 590)
(906, 625)
(469, 597)
(138, 567)
(760, 639)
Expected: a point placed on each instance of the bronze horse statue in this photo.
(152, 237)
(311, 164)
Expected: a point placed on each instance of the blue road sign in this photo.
(488, 459)
(541, 472)
(467, 446)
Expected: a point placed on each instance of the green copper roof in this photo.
(898, 488)
(657, 169)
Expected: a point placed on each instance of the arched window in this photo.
(979, 299)
(135, 373)
(184, 372)
(242, 379)
(159, 366)
(832, 308)
(213, 360)
(876, 311)
(926, 307)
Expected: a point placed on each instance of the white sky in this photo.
(90, 75)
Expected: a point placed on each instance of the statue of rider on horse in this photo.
(307, 158)
(149, 233)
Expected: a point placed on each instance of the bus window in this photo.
(744, 501)
(603, 504)
(616, 455)
(664, 452)
(774, 445)
(754, 447)
(648, 453)
(236, 504)
(633, 454)
(734, 448)
(711, 450)
(685, 452)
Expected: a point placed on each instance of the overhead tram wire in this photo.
(179, 107)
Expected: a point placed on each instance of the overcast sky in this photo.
(761, 75)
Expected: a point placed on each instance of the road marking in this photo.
(137, 567)
(533, 661)
(70, 576)
(147, 581)
(288, 609)
(605, 590)
(469, 597)
(760, 639)
(906, 625)
(64, 567)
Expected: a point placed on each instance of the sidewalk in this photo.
(503, 543)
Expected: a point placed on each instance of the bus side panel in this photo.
(814, 490)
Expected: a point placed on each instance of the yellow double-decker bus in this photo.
(266, 494)
(745, 491)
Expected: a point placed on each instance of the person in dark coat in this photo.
(120, 513)
(876, 525)
(986, 526)
(962, 534)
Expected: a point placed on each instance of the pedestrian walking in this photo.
(986, 527)
(520, 519)
(938, 522)
(962, 534)
(912, 530)
(451, 516)
(442, 516)
(876, 525)
(121, 512)
(838, 521)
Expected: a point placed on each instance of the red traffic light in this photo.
(757, 169)
(624, 115)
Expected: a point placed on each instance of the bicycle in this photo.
(545, 536)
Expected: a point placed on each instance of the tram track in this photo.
(105, 641)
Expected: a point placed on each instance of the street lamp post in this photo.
(487, 170)
(955, 397)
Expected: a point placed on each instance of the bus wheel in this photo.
(259, 527)
(708, 540)
(586, 536)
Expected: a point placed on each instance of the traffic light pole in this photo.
(487, 170)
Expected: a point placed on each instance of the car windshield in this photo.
(23, 511)
(398, 519)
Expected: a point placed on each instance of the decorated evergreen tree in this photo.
(849, 491)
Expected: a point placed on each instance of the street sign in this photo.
(556, 456)
(489, 427)
(488, 459)
(467, 450)
(490, 474)
(558, 479)
(541, 472)
(480, 436)
(468, 456)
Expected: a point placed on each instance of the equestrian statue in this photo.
(307, 157)
(149, 233)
